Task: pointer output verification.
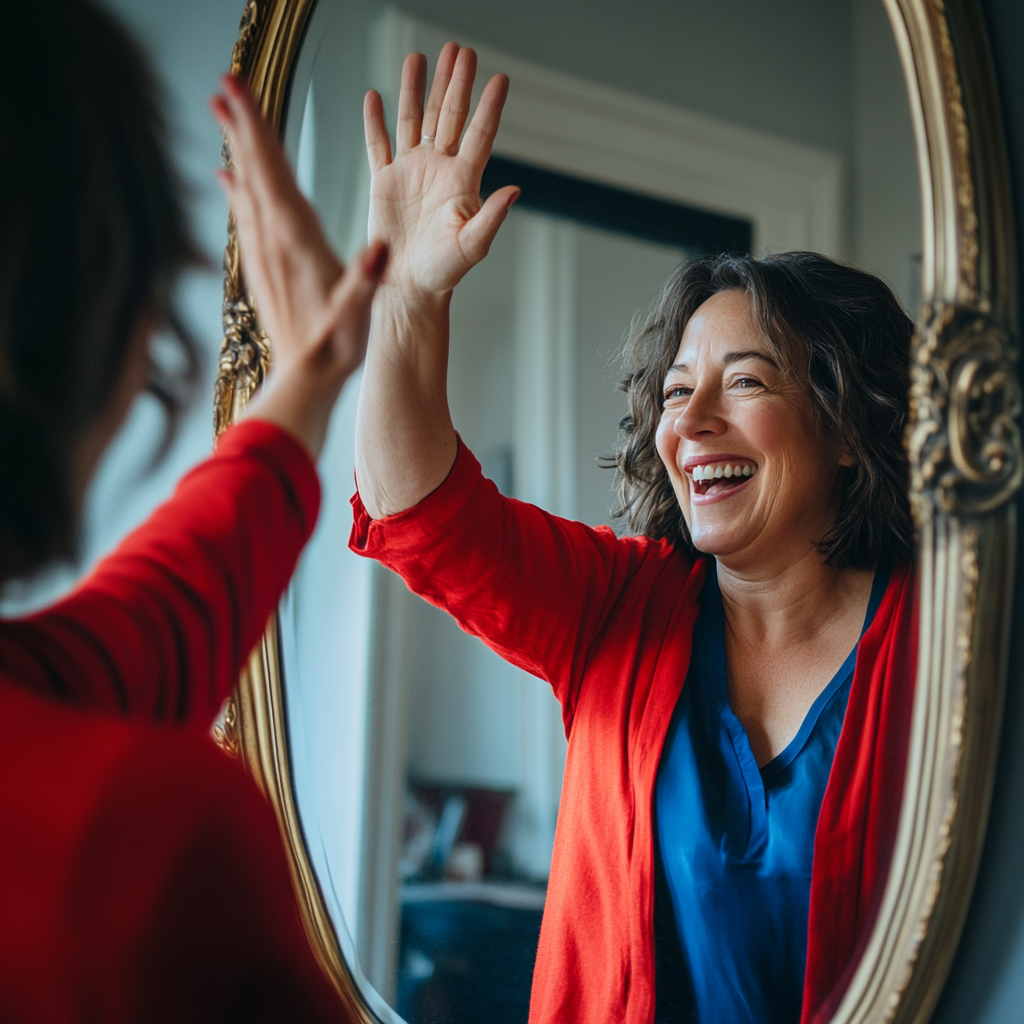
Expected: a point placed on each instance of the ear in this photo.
(844, 456)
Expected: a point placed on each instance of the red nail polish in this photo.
(377, 259)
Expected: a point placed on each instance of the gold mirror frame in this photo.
(966, 466)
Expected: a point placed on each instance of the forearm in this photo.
(405, 440)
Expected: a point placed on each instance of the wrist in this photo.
(412, 303)
(298, 401)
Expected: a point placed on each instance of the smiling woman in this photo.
(827, 332)
(762, 469)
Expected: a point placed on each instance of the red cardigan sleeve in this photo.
(142, 879)
(536, 588)
(162, 626)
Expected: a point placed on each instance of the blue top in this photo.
(736, 842)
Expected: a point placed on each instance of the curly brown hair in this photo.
(845, 333)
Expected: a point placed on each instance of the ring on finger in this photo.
(426, 138)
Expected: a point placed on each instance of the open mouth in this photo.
(717, 478)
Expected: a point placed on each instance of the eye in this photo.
(747, 383)
(674, 392)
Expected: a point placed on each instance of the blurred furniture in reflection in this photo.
(467, 951)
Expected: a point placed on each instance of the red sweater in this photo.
(608, 622)
(142, 876)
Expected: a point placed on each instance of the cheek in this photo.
(768, 426)
(666, 441)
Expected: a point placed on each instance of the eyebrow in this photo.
(734, 357)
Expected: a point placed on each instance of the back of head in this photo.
(92, 237)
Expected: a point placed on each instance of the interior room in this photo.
(424, 771)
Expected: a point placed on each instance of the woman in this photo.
(141, 874)
(763, 469)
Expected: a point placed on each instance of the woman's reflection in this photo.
(747, 816)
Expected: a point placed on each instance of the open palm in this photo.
(425, 201)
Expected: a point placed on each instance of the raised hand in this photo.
(315, 312)
(425, 201)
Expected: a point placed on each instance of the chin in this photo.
(714, 542)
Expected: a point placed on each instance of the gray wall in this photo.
(789, 71)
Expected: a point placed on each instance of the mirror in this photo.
(417, 775)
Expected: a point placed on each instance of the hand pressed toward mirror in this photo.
(316, 312)
(425, 202)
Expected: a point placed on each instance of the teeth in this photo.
(720, 470)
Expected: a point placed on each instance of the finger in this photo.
(219, 106)
(270, 209)
(410, 102)
(476, 146)
(256, 153)
(245, 124)
(226, 180)
(442, 76)
(378, 145)
(457, 99)
(478, 233)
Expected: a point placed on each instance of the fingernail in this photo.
(219, 108)
(376, 259)
(515, 195)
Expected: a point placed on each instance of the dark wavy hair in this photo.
(93, 236)
(840, 329)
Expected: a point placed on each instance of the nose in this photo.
(701, 417)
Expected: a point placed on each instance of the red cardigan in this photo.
(142, 876)
(608, 622)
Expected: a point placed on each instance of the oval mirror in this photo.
(419, 778)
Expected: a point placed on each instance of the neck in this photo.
(789, 603)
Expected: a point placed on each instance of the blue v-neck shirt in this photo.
(736, 842)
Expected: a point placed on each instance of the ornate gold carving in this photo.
(245, 349)
(966, 466)
(225, 729)
(244, 360)
(248, 28)
(959, 154)
(963, 438)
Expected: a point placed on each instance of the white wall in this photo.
(887, 197)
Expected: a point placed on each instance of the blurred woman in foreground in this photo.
(142, 876)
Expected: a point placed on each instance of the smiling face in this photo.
(753, 477)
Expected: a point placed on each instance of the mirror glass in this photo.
(428, 771)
